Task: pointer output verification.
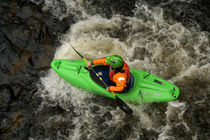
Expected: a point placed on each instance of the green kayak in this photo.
(143, 87)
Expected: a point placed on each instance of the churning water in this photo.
(147, 42)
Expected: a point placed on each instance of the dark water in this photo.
(169, 38)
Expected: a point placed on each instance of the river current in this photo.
(148, 40)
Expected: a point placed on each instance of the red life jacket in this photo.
(125, 69)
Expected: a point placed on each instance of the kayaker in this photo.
(119, 72)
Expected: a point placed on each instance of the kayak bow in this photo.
(146, 87)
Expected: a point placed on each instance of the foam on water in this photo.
(146, 42)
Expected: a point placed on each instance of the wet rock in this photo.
(28, 40)
(6, 94)
(27, 37)
(107, 8)
(24, 12)
(18, 125)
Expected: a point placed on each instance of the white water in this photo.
(146, 42)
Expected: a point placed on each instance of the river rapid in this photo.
(168, 38)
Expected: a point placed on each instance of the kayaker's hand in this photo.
(107, 89)
(89, 65)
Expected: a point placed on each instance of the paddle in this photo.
(123, 106)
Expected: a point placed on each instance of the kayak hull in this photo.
(146, 87)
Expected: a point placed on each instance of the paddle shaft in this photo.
(99, 76)
(83, 58)
(120, 103)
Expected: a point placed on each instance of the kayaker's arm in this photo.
(116, 88)
(100, 61)
(120, 79)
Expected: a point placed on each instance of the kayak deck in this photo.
(146, 87)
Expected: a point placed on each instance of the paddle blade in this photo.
(123, 106)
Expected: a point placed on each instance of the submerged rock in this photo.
(28, 40)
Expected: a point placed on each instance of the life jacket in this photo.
(125, 69)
